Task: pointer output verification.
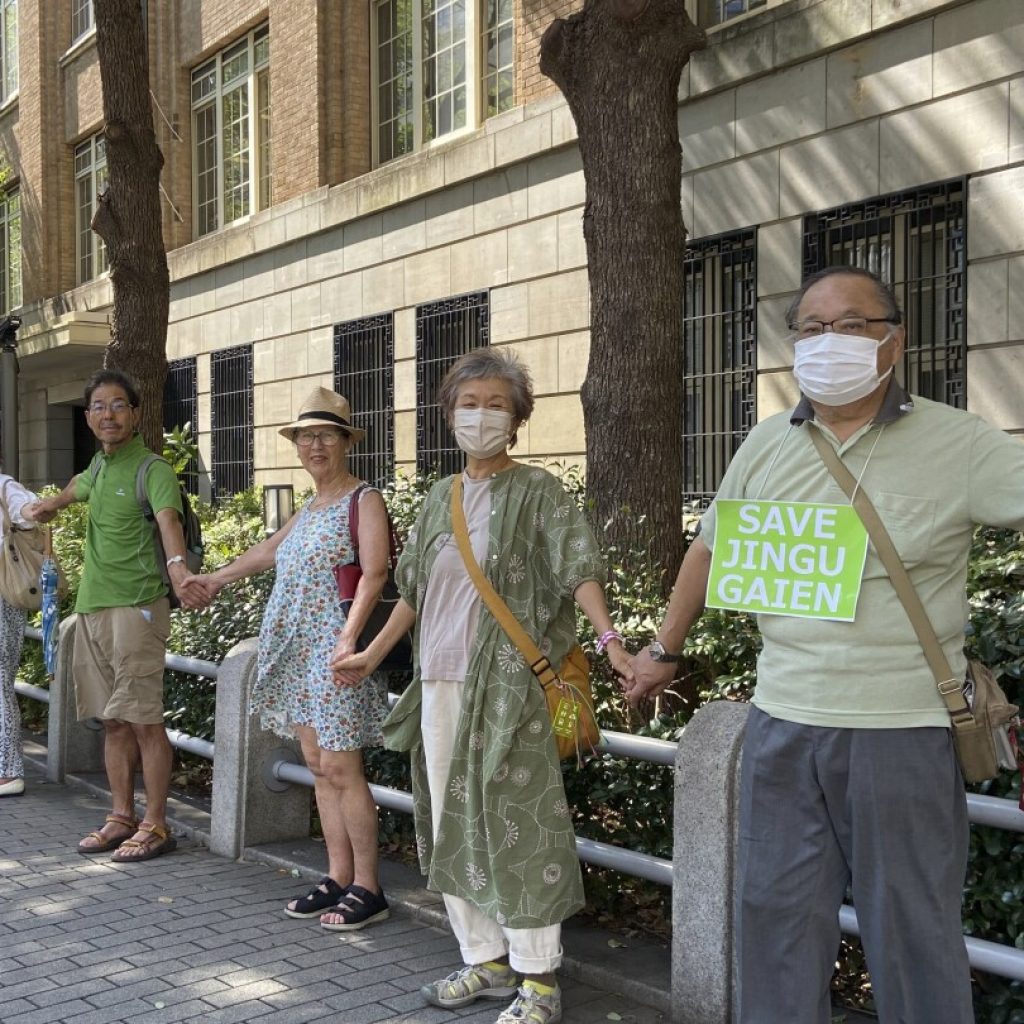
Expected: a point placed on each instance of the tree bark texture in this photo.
(618, 64)
(127, 213)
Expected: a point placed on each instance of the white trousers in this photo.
(530, 950)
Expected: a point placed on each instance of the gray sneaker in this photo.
(530, 1007)
(471, 983)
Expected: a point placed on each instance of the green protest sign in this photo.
(787, 558)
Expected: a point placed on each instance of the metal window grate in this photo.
(444, 331)
(719, 358)
(231, 420)
(364, 372)
(181, 408)
(916, 241)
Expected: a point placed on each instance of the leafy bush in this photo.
(616, 800)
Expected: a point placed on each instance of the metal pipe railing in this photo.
(1006, 961)
(33, 692)
(993, 812)
(590, 852)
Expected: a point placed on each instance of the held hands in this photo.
(196, 591)
(622, 661)
(41, 511)
(348, 665)
(649, 677)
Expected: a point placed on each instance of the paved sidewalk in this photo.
(191, 935)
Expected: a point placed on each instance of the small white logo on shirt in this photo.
(120, 492)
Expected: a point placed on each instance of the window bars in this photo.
(719, 358)
(364, 372)
(916, 241)
(445, 330)
(181, 407)
(231, 420)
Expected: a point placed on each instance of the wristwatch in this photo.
(175, 558)
(656, 649)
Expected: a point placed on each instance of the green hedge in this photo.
(617, 800)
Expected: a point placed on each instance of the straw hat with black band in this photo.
(324, 408)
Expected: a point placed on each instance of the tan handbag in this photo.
(21, 562)
(568, 693)
(979, 712)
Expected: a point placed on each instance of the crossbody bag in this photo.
(567, 691)
(980, 715)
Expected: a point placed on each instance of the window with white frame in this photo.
(439, 66)
(231, 133)
(499, 41)
(90, 181)
(10, 242)
(81, 18)
(8, 49)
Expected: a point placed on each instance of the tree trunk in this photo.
(618, 64)
(127, 214)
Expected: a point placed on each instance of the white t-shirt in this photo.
(16, 497)
(451, 605)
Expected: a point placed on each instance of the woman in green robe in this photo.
(494, 829)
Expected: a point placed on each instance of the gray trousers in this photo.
(822, 809)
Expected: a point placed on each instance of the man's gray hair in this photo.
(886, 296)
(481, 364)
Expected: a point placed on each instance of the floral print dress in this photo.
(303, 620)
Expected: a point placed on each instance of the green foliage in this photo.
(181, 448)
(994, 890)
(616, 800)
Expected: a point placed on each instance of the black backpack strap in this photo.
(94, 468)
(140, 484)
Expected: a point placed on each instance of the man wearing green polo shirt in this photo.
(123, 615)
(849, 775)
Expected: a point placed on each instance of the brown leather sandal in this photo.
(158, 842)
(104, 843)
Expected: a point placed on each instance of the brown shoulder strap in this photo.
(539, 664)
(949, 686)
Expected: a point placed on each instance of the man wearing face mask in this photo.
(849, 776)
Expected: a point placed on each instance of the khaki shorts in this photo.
(118, 663)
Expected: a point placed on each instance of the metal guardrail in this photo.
(994, 812)
(641, 865)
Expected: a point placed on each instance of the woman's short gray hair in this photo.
(481, 364)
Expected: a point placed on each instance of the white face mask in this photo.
(836, 369)
(482, 432)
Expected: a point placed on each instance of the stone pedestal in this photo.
(704, 865)
(73, 747)
(249, 806)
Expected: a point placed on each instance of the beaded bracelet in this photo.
(606, 638)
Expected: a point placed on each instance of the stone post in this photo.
(704, 865)
(73, 747)
(249, 806)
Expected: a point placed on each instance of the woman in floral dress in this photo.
(295, 693)
(493, 825)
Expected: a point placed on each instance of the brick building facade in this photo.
(354, 192)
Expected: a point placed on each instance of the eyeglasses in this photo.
(844, 325)
(117, 406)
(328, 438)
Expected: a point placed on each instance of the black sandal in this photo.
(359, 908)
(321, 898)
